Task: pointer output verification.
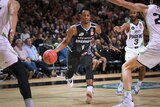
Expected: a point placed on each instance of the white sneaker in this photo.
(89, 96)
(125, 103)
(119, 90)
(70, 82)
(136, 89)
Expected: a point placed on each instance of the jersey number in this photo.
(157, 20)
(136, 41)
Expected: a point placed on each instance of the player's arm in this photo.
(129, 5)
(70, 33)
(105, 38)
(122, 28)
(145, 32)
(13, 7)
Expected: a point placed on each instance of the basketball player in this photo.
(8, 57)
(134, 29)
(151, 57)
(80, 37)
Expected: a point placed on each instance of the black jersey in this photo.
(82, 41)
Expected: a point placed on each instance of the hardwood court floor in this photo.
(64, 96)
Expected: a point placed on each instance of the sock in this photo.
(120, 87)
(90, 88)
(128, 94)
(28, 102)
(139, 82)
(121, 83)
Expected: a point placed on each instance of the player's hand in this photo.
(11, 36)
(117, 29)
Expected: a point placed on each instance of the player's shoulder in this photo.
(15, 2)
(94, 24)
(152, 7)
(72, 29)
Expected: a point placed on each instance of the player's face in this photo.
(85, 17)
(133, 15)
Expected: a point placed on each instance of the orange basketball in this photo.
(50, 56)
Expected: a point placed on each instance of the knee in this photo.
(127, 68)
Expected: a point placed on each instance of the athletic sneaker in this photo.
(3, 76)
(119, 90)
(136, 89)
(89, 96)
(125, 103)
(70, 82)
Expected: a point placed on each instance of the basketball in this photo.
(50, 56)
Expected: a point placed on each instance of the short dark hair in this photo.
(86, 9)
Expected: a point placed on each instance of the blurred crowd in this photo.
(46, 21)
(43, 24)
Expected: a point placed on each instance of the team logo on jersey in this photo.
(81, 34)
(92, 32)
(132, 27)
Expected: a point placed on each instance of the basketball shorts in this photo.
(151, 57)
(132, 52)
(75, 59)
(7, 54)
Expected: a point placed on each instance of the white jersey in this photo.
(153, 22)
(152, 56)
(135, 35)
(4, 18)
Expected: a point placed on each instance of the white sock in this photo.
(121, 84)
(90, 88)
(28, 102)
(139, 82)
(128, 94)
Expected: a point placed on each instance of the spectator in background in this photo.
(25, 34)
(35, 57)
(100, 54)
(26, 61)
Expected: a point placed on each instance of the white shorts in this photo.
(7, 54)
(151, 57)
(132, 52)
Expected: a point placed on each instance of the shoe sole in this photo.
(89, 97)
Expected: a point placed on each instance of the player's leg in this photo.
(142, 73)
(86, 61)
(128, 55)
(119, 90)
(22, 77)
(127, 69)
(8, 58)
(73, 62)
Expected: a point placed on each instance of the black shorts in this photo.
(75, 59)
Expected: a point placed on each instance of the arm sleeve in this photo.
(105, 37)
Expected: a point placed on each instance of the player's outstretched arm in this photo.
(14, 7)
(129, 5)
(105, 38)
(122, 28)
(70, 33)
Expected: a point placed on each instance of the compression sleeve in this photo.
(105, 38)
